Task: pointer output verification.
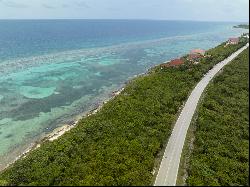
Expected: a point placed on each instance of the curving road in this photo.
(168, 171)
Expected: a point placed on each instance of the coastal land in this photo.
(167, 174)
(121, 142)
(216, 151)
(243, 26)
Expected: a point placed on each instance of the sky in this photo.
(198, 10)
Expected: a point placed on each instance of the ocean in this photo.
(53, 71)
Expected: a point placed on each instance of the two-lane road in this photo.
(168, 171)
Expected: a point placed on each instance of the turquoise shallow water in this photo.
(43, 91)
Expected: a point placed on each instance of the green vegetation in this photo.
(243, 26)
(221, 148)
(119, 144)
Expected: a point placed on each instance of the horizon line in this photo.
(127, 19)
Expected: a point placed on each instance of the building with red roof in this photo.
(233, 41)
(172, 63)
(194, 56)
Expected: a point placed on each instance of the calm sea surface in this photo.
(52, 71)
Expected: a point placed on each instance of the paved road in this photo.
(168, 171)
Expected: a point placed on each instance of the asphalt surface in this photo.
(168, 171)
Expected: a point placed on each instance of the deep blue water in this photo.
(53, 70)
(21, 38)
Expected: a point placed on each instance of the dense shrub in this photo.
(221, 148)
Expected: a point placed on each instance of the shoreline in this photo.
(61, 130)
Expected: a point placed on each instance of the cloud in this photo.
(13, 4)
(65, 6)
(48, 6)
(113, 9)
(81, 4)
(213, 10)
